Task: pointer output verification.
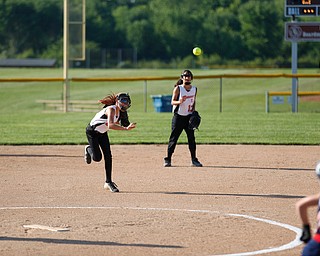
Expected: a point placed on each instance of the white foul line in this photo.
(296, 242)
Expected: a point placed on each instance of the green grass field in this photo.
(242, 121)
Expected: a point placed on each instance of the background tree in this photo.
(229, 31)
(259, 29)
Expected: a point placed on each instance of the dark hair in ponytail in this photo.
(109, 100)
(180, 81)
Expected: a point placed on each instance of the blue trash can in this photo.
(162, 103)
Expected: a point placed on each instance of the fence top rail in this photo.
(305, 93)
(153, 78)
(33, 79)
(101, 79)
(70, 101)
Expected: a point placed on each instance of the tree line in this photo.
(230, 32)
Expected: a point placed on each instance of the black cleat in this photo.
(111, 186)
(167, 162)
(196, 163)
(87, 157)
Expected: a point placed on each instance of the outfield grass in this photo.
(243, 119)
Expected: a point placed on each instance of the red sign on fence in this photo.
(302, 31)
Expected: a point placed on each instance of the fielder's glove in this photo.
(124, 119)
(306, 234)
(194, 121)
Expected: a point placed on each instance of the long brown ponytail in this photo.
(180, 81)
(109, 100)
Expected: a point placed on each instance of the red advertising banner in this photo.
(302, 31)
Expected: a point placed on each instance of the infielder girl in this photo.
(184, 103)
(312, 247)
(113, 116)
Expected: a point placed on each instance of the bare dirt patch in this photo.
(180, 210)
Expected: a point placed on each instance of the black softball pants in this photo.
(180, 123)
(99, 141)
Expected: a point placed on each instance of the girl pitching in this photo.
(113, 116)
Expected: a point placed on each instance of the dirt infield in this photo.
(240, 203)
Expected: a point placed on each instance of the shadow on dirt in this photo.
(82, 242)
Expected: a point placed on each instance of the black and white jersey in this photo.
(100, 120)
(186, 107)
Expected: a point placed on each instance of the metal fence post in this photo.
(267, 102)
(220, 101)
(145, 96)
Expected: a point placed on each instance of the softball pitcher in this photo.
(113, 116)
(184, 103)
